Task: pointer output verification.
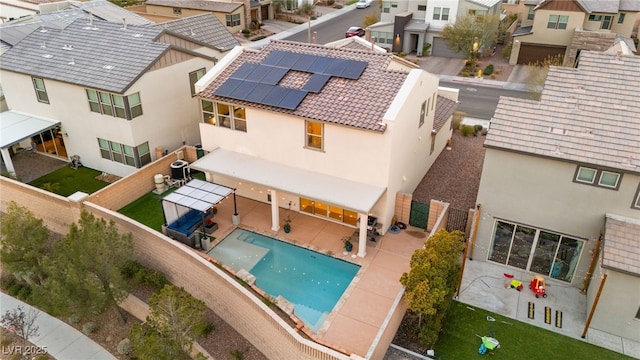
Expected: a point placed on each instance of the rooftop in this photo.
(621, 247)
(588, 115)
(204, 28)
(204, 5)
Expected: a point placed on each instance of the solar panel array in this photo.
(258, 83)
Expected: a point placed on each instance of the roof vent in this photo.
(67, 47)
(137, 35)
(557, 131)
(43, 30)
(72, 62)
(557, 150)
(47, 56)
(191, 32)
(124, 23)
(108, 67)
(44, 45)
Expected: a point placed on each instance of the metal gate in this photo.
(419, 214)
(457, 220)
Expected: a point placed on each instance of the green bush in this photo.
(467, 130)
(89, 328)
(506, 51)
(246, 31)
(141, 275)
(488, 70)
(14, 289)
(477, 128)
(7, 280)
(155, 279)
(130, 269)
(258, 38)
(206, 329)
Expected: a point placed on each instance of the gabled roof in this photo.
(621, 246)
(360, 103)
(629, 5)
(485, 3)
(204, 28)
(97, 54)
(588, 115)
(599, 6)
(204, 5)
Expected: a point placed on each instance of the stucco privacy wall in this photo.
(234, 304)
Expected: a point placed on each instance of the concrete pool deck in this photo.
(355, 323)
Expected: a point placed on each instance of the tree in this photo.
(176, 315)
(21, 323)
(537, 74)
(85, 268)
(149, 344)
(23, 240)
(469, 29)
(370, 19)
(431, 282)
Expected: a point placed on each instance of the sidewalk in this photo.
(60, 340)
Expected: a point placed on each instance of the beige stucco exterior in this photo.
(186, 12)
(541, 193)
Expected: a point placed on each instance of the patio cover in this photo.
(16, 127)
(345, 193)
(196, 194)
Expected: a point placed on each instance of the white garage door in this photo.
(440, 49)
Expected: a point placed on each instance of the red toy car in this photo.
(538, 286)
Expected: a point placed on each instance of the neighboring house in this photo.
(236, 15)
(111, 92)
(333, 131)
(563, 172)
(567, 27)
(406, 26)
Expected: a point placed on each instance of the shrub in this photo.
(237, 354)
(14, 289)
(7, 280)
(467, 130)
(457, 119)
(258, 38)
(246, 32)
(206, 329)
(477, 128)
(130, 269)
(124, 347)
(337, 6)
(89, 328)
(506, 51)
(488, 70)
(73, 319)
(155, 279)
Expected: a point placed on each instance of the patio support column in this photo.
(275, 213)
(6, 157)
(362, 238)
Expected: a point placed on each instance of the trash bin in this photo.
(199, 151)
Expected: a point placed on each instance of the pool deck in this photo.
(358, 316)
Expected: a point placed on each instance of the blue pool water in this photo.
(311, 281)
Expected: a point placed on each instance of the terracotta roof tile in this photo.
(444, 109)
(359, 103)
(621, 247)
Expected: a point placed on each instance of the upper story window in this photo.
(557, 22)
(621, 18)
(594, 17)
(41, 91)
(224, 115)
(423, 112)
(233, 20)
(606, 22)
(194, 76)
(125, 107)
(530, 14)
(597, 177)
(477, 13)
(440, 13)
(422, 7)
(382, 37)
(314, 135)
(137, 156)
(386, 6)
(177, 11)
(636, 199)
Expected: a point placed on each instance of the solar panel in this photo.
(259, 93)
(243, 71)
(227, 88)
(292, 99)
(336, 68)
(274, 96)
(316, 83)
(274, 76)
(320, 64)
(304, 62)
(243, 90)
(258, 73)
(274, 57)
(289, 60)
(354, 69)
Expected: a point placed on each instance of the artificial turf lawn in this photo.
(518, 340)
(66, 181)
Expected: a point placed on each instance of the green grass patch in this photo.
(518, 340)
(66, 181)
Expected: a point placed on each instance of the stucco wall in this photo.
(542, 35)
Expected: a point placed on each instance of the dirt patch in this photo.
(110, 178)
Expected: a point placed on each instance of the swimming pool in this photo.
(311, 281)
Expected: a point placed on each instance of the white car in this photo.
(361, 4)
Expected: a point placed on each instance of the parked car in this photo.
(354, 31)
(361, 4)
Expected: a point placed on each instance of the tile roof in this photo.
(360, 103)
(621, 246)
(629, 5)
(485, 3)
(608, 6)
(102, 56)
(588, 114)
(204, 28)
(205, 5)
(444, 109)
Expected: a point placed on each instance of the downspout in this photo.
(592, 266)
(593, 307)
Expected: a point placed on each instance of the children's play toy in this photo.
(538, 286)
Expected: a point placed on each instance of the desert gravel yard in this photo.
(455, 175)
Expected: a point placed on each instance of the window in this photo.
(125, 154)
(537, 250)
(194, 76)
(125, 107)
(337, 213)
(314, 135)
(557, 22)
(478, 13)
(605, 178)
(41, 91)
(221, 114)
(177, 11)
(394, 4)
(233, 20)
(423, 113)
(609, 179)
(530, 14)
(440, 13)
(386, 5)
(636, 199)
(382, 37)
(606, 22)
(595, 17)
(621, 18)
(422, 7)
